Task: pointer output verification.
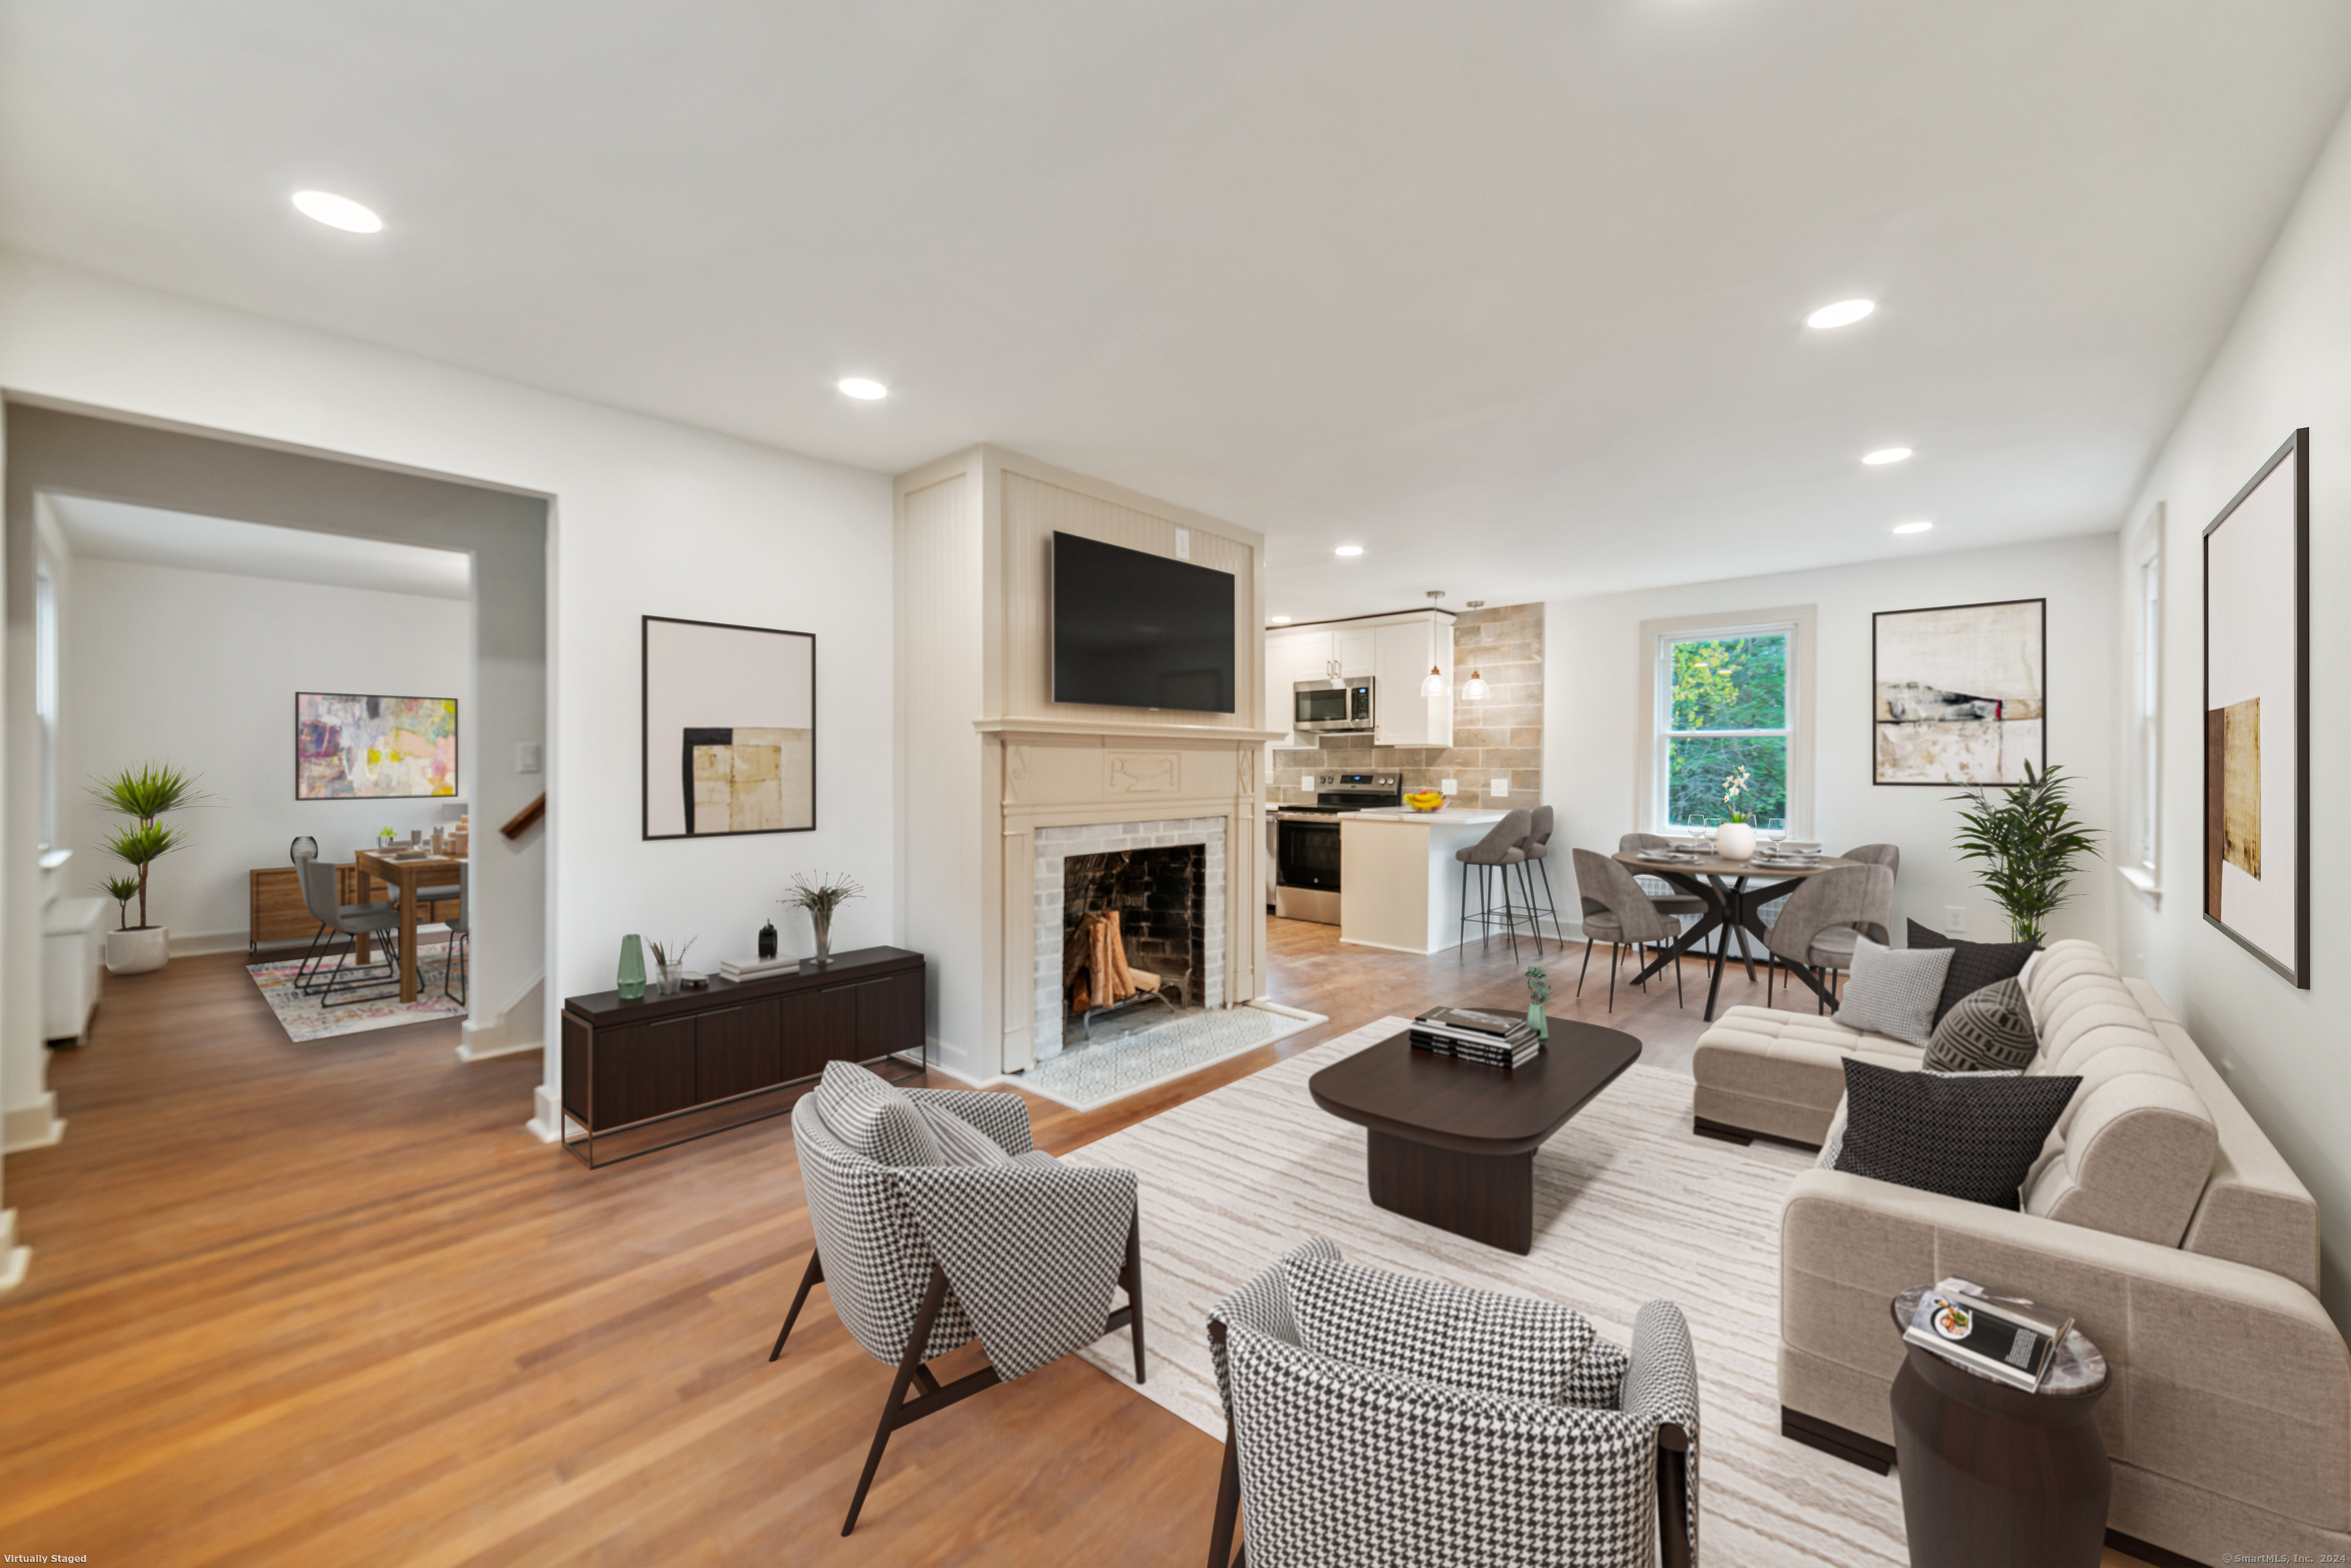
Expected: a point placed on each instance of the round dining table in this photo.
(1732, 907)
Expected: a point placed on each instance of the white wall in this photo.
(1596, 691)
(199, 669)
(648, 517)
(2285, 364)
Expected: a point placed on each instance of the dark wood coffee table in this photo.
(1453, 1144)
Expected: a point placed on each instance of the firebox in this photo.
(1132, 929)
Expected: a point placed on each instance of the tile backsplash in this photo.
(1500, 736)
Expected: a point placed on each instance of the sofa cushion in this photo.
(1893, 992)
(873, 1118)
(1482, 1340)
(1771, 1071)
(1971, 1136)
(1974, 965)
(1988, 1032)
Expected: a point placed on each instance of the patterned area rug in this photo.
(1629, 1206)
(303, 1017)
(1112, 1067)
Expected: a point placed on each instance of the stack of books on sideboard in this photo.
(1495, 1039)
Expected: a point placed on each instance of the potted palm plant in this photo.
(2028, 841)
(143, 796)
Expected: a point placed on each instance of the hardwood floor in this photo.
(327, 1303)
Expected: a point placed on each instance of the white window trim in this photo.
(1801, 621)
(2147, 791)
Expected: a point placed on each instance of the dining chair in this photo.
(380, 920)
(1661, 892)
(1887, 855)
(1502, 848)
(461, 938)
(1615, 908)
(1823, 917)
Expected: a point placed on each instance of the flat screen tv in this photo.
(1135, 630)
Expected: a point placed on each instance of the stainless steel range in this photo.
(1306, 842)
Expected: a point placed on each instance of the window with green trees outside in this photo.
(1723, 705)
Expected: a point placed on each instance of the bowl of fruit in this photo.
(1424, 801)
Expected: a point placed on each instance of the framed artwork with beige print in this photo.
(729, 729)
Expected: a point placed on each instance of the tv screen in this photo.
(1134, 630)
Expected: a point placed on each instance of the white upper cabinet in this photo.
(1356, 649)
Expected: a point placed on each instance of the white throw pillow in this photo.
(1894, 991)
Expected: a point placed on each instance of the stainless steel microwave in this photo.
(1320, 704)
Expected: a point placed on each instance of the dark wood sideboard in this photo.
(646, 1074)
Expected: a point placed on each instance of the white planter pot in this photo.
(137, 952)
(1734, 842)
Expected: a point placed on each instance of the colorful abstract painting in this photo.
(350, 748)
(2256, 714)
(731, 729)
(1958, 693)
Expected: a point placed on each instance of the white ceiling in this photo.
(1511, 293)
(112, 531)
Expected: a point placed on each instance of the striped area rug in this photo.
(1629, 1206)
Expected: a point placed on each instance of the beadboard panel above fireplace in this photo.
(985, 759)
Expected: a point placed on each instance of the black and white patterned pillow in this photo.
(1833, 1144)
(1480, 1340)
(1974, 965)
(873, 1118)
(1965, 1134)
(1893, 992)
(1989, 1031)
(960, 1143)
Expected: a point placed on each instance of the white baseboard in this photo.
(517, 1028)
(547, 1126)
(13, 1260)
(33, 1126)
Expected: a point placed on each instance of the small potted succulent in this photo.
(143, 796)
(821, 895)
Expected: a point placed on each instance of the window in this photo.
(2147, 715)
(44, 696)
(1724, 703)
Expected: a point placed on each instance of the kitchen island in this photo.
(1399, 885)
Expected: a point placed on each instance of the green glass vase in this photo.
(1537, 1022)
(631, 984)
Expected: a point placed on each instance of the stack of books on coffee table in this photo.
(1494, 1039)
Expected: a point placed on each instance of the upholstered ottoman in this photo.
(1766, 1073)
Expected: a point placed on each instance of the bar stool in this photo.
(1538, 848)
(1499, 849)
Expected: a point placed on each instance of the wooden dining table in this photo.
(407, 876)
(1732, 907)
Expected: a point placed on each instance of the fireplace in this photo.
(1166, 882)
(1146, 903)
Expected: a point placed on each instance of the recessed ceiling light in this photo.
(1277, 620)
(1844, 313)
(1885, 455)
(860, 387)
(1348, 550)
(337, 211)
(1912, 528)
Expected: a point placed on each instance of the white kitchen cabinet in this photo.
(1356, 650)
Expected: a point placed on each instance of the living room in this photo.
(1172, 547)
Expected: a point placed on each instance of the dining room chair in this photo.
(1617, 910)
(1823, 917)
(1503, 849)
(1887, 855)
(461, 939)
(322, 897)
(1661, 892)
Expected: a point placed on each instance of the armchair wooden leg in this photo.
(1673, 1507)
(1228, 1505)
(916, 1341)
(1130, 1277)
(814, 1275)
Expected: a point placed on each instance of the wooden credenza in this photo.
(277, 915)
(663, 1070)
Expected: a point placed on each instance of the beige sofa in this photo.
(2157, 1213)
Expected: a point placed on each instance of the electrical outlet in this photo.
(1183, 544)
(1501, 785)
(1448, 786)
(526, 756)
(1955, 917)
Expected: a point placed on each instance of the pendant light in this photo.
(1475, 688)
(1433, 683)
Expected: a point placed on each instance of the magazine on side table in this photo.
(2009, 1340)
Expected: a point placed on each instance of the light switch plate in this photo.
(526, 756)
(1448, 786)
(1955, 917)
(1183, 544)
(1501, 785)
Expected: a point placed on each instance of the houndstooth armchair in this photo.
(1375, 1419)
(1005, 1245)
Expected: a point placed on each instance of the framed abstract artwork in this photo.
(350, 748)
(729, 729)
(2257, 714)
(1960, 693)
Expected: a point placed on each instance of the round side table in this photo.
(1993, 1474)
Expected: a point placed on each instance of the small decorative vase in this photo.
(823, 923)
(1536, 1021)
(672, 975)
(767, 940)
(1735, 841)
(631, 981)
(138, 952)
